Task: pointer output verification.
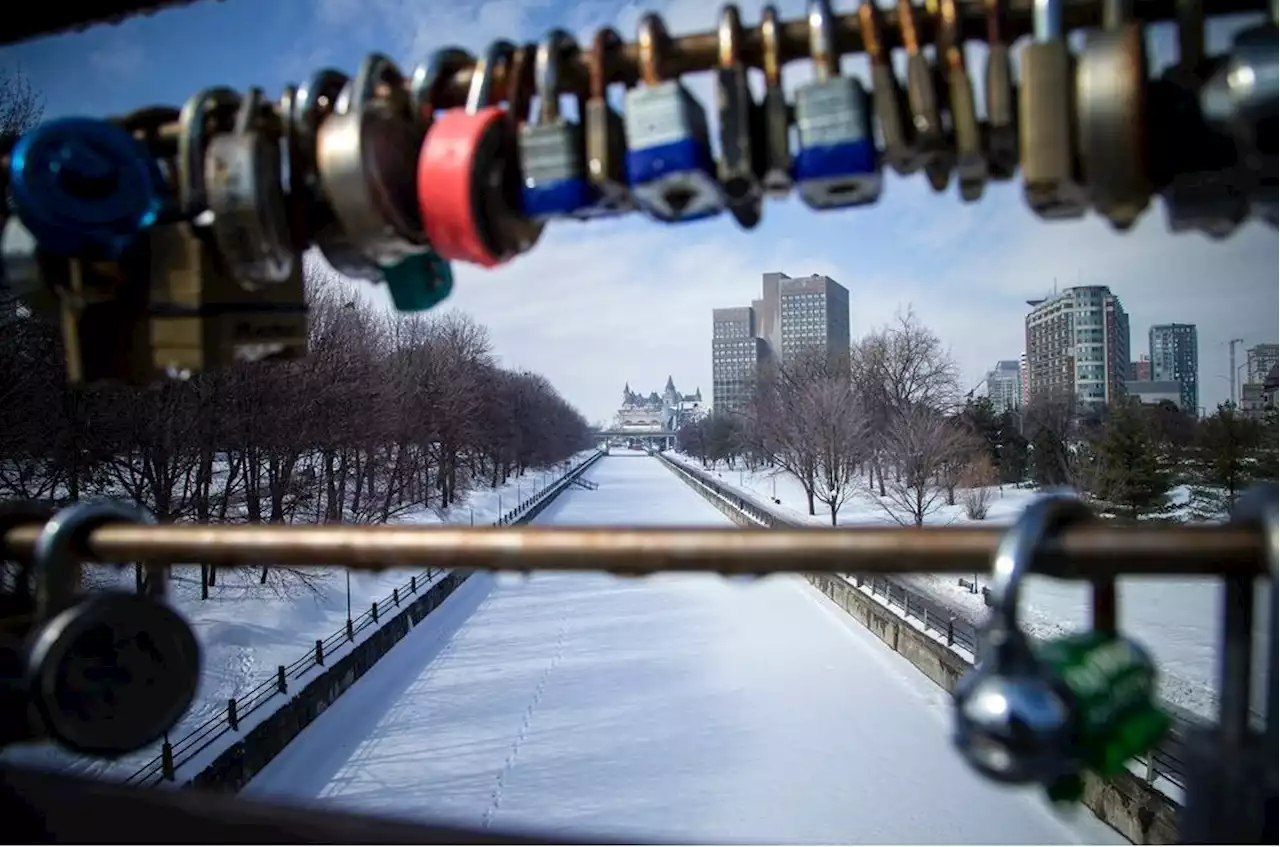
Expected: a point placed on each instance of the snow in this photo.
(688, 708)
(1177, 619)
(247, 630)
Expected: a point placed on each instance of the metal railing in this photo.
(1165, 761)
(175, 754)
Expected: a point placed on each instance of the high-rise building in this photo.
(1140, 370)
(1175, 357)
(812, 312)
(1004, 385)
(1078, 342)
(1024, 378)
(736, 354)
(1259, 360)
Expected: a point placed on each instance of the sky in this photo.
(596, 305)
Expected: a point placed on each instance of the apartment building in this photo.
(1078, 342)
(1004, 384)
(1175, 357)
(1260, 360)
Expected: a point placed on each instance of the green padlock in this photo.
(419, 282)
(1110, 682)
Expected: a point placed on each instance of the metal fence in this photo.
(174, 754)
(1165, 761)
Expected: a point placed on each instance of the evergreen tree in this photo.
(1050, 460)
(1011, 450)
(1230, 457)
(1129, 473)
(980, 418)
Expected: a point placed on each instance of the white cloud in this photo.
(120, 59)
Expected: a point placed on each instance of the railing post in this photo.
(319, 652)
(351, 630)
(1151, 768)
(232, 718)
(166, 759)
(413, 584)
(282, 680)
(374, 611)
(395, 596)
(951, 630)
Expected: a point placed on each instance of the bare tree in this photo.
(837, 426)
(20, 104)
(917, 445)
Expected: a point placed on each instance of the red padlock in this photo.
(469, 175)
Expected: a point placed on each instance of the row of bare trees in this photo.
(388, 414)
(888, 418)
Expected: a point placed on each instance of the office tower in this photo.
(1078, 342)
(1004, 385)
(1259, 360)
(1175, 357)
(736, 353)
(812, 312)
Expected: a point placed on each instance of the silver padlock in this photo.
(837, 163)
(242, 178)
(1013, 725)
(553, 150)
(108, 672)
(669, 162)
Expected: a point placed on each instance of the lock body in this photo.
(606, 158)
(837, 163)
(669, 163)
(553, 157)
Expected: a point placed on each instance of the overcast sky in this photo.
(597, 305)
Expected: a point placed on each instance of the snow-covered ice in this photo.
(246, 630)
(1177, 619)
(679, 707)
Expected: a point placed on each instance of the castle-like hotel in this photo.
(665, 411)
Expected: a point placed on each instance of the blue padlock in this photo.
(669, 162)
(84, 187)
(837, 164)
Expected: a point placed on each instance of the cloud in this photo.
(120, 59)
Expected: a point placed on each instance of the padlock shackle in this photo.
(822, 40)
(599, 61)
(996, 21)
(482, 77)
(770, 48)
(653, 41)
(1015, 556)
(55, 562)
(249, 109)
(1046, 20)
(375, 70)
(193, 143)
(907, 25)
(950, 37)
(872, 32)
(429, 78)
(552, 51)
(729, 35)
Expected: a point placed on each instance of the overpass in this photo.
(663, 439)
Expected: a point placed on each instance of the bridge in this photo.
(663, 439)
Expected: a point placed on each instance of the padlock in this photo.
(890, 101)
(1194, 165)
(243, 180)
(469, 174)
(970, 156)
(1002, 97)
(1046, 112)
(84, 187)
(1014, 723)
(606, 135)
(837, 163)
(1239, 100)
(108, 673)
(1112, 120)
(310, 104)
(201, 317)
(366, 156)
(553, 150)
(777, 113)
(929, 137)
(669, 163)
(742, 143)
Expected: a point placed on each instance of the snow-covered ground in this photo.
(247, 630)
(691, 708)
(1177, 619)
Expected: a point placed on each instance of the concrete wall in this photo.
(238, 764)
(1127, 804)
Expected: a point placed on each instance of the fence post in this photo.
(395, 596)
(166, 759)
(232, 718)
(1151, 768)
(374, 611)
(951, 630)
(351, 630)
(319, 652)
(924, 619)
(906, 604)
(282, 680)
(413, 585)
